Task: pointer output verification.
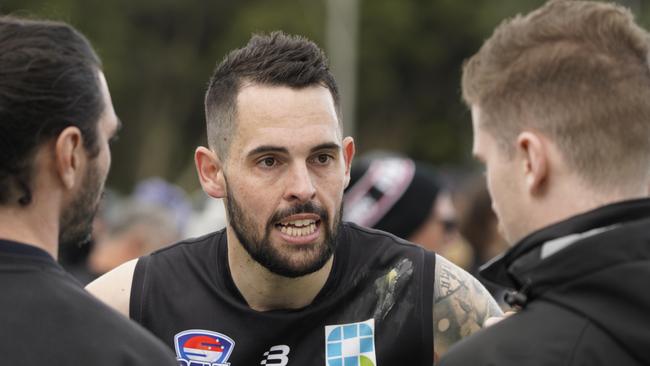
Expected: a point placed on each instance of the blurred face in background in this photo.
(440, 229)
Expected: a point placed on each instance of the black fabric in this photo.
(49, 319)
(414, 207)
(375, 276)
(586, 304)
(9, 247)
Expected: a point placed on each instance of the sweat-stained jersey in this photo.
(375, 308)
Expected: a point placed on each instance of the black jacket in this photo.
(49, 319)
(584, 285)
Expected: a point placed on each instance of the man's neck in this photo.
(264, 290)
(583, 198)
(30, 227)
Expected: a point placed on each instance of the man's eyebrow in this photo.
(265, 149)
(326, 146)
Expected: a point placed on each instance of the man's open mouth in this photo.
(301, 227)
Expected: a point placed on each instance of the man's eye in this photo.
(268, 162)
(323, 158)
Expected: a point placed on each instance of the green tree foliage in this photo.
(159, 54)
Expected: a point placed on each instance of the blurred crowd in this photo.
(156, 214)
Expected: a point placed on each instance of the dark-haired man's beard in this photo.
(77, 219)
(284, 260)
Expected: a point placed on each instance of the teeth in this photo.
(298, 223)
(299, 231)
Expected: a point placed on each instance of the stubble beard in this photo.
(312, 257)
(76, 222)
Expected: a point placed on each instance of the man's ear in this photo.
(348, 155)
(69, 155)
(535, 159)
(210, 170)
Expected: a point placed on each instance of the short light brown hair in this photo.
(578, 72)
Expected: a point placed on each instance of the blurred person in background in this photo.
(480, 227)
(56, 120)
(407, 199)
(207, 216)
(287, 281)
(561, 119)
(154, 216)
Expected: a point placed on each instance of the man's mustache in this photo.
(307, 207)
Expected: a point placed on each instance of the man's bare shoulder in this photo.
(114, 287)
(461, 305)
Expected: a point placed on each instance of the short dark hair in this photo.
(48, 81)
(268, 59)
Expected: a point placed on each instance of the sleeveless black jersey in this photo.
(374, 309)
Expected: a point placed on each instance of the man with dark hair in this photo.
(56, 119)
(286, 282)
(561, 119)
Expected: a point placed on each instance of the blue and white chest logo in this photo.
(198, 347)
(350, 344)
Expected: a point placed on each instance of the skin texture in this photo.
(500, 184)
(461, 305)
(77, 217)
(287, 155)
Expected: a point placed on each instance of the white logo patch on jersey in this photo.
(276, 356)
(350, 344)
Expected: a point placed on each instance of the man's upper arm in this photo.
(114, 287)
(461, 304)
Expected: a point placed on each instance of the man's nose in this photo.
(300, 185)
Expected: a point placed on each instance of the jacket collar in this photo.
(507, 269)
(10, 247)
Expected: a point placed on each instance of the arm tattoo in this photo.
(460, 305)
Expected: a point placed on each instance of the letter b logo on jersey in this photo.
(276, 356)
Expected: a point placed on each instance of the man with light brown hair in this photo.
(560, 102)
